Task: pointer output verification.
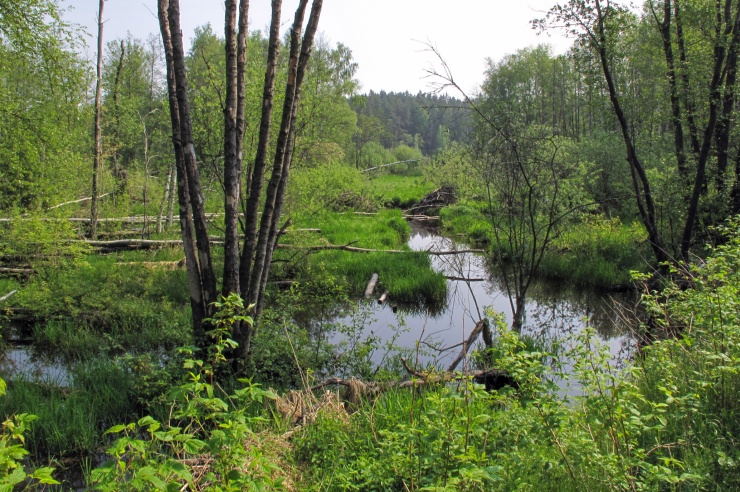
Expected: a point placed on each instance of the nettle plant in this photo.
(206, 432)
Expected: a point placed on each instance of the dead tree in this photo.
(97, 136)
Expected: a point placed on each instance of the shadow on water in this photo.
(554, 310)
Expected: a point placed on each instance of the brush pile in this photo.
(432, 202)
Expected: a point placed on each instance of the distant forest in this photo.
(428, 122)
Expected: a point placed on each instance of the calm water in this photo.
(554, 310)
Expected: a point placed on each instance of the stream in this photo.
(554, 310)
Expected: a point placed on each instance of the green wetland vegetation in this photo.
(181, 322)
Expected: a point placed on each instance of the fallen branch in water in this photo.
(371, 285)
(465, 279)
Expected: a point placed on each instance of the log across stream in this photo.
(554, 310)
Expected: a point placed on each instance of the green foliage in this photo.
(612, 249)
(71, 420)
(42, 107)
(130, 306)
(666, 421)
(205, 422)
(456, 167)
(332, 185)
(13, 452)
(592, 251)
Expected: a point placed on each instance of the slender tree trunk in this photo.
(641, 184)
(275, 231)
(676, 120)
(280, 148)
(726, 120)
(232, 173)
(117, 174)
(97, 136)
(183, 189)
(686, 82)
(165, 199)
(255, 180)
(200, 225)
(735, 193)
(719, 73)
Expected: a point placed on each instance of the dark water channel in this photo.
(554, 310)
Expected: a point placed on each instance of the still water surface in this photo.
(555, 311)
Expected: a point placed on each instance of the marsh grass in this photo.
(595, 251)
(108, 304)
(400, 191)
(72, 419)
(409, 276)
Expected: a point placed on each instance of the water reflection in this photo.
(554, 311)
(29, 364)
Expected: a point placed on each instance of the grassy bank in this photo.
(595, 251)
(399, 191)
(407, 276)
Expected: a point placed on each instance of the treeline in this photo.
(46, 96)
(429, 122)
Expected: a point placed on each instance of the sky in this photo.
(389, 39)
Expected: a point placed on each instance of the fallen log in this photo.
(371, 285)
(16, 272)
(464, 279)
(384, 297)
(166, 265)
(494, 379)
(119, 244)
(130, 243)
(324, 247)
(8, 295)
(136, 219)
(389, 164)
(86, 199)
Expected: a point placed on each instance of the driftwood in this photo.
(438, 198)
(405, 216)
(120, 233)
(371, 285)
(8, 295)
(347, 247)
(384, 297)
(137, 219)
(165, 265)
(494, 379)
(87, 199)
(464, 279)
